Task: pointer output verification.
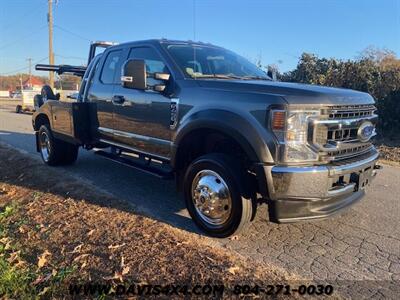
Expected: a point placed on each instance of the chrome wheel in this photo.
(45, 146)
(211, 198)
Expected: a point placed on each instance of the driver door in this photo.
(142, 120)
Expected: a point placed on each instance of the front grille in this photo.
(335, 133)
(349, 111)
(349, 152)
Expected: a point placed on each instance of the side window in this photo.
(154, 62)
(111, 65)
(95, 71)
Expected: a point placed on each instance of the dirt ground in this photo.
(389, 149)
(62, 226)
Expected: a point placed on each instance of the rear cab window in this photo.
(110, 73)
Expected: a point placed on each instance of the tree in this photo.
(375, 71)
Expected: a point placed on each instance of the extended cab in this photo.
(230, 136)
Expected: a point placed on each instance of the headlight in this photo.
(291, 129)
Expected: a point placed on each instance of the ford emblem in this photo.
(365, 131)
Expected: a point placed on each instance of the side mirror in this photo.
(134, 74)
(162, 76)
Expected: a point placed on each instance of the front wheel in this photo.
(54, 151)
(214, 195)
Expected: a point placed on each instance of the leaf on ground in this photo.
(77, 248)
(20, 264)
(42, 278)
(11, 193)
(7, 246)
(112, 247)
(83, 265)
(23, 229)
(43, 259)
(233, 270)
(44, 291)
(4, 240)
(79, 257)
(210, 259)
(117, 275)
(91, 232)
(182, 243)
(14, 256)
(125, 270)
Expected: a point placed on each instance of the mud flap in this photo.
(37, 141)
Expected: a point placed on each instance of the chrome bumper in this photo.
(298, 193)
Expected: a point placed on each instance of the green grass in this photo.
(17, 282)
(7, 211)
(14, 282)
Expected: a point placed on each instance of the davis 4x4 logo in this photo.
(365, 131)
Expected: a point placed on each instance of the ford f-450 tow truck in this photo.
(230, 136)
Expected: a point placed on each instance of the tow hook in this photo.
(376, 167)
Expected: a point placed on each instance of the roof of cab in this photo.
(166, 41)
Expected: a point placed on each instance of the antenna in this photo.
(194, 38)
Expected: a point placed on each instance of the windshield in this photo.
(198, 61)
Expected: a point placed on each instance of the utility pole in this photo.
(51, 54)
(30, 70)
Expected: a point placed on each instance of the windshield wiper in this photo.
(230, 76)
(257, 78)
(219, 76)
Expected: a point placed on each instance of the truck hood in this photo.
(293, 93)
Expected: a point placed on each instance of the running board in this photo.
(138, 164)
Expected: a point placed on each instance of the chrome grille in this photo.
(335, 132)
(349, 111)
(349, 152)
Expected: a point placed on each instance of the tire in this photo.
(55, 152)
(18, 109)
(228, 211)
(47, 93)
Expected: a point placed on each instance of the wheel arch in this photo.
(230, 124)
(249, 137)
(39, 120)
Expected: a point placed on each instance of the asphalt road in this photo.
(362, 243)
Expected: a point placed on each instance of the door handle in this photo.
(118, 99)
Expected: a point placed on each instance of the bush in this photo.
(376, 72)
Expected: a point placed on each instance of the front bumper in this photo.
(301, 193)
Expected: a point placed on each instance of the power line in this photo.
(70, 57)
(22, 17)
(24, 68)
(72, 33)
(22, 38)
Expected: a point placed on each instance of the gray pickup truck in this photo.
(230, 136)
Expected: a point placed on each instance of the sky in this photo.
(275, 31)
